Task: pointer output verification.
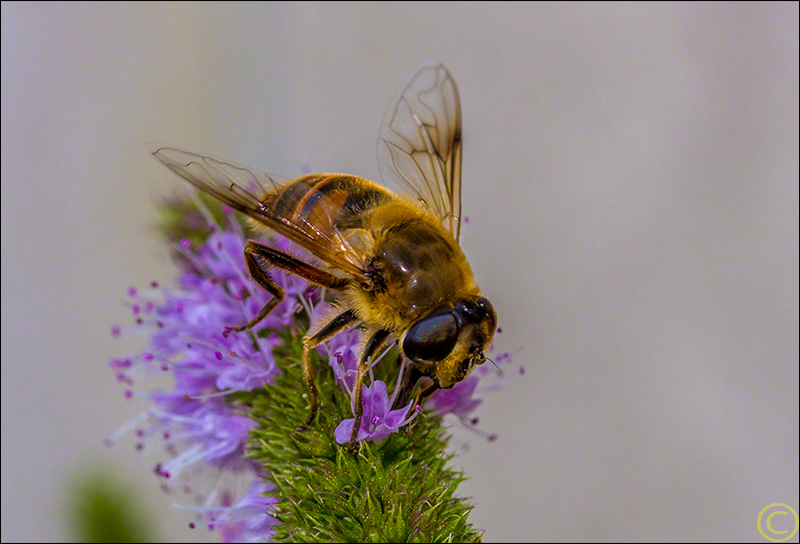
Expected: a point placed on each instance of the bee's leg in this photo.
(422, 395)
(293, 265)
(334, 326)
(370, 348)
(409, 381)
(260, 257)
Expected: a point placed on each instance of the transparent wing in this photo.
(420, 143)
(255, 194)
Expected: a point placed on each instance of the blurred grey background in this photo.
(631, 182)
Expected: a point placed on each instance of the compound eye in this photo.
(432, 338)
(484, 304)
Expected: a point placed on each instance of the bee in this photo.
(393, 260)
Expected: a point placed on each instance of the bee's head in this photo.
(448, 342)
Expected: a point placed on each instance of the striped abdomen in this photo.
(327, 202)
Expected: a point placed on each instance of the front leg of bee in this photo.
(370, 348)
(422, 395)
(410, 380)
(333, 327)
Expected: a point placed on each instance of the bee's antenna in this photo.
(499, 370)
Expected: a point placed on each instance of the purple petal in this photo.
(342, 432)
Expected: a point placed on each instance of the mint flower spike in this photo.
(204, 433)
(224, 430)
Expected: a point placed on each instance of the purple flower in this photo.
(204, 437)
(209, 431)
(378, 420)
(342, 351)
(458, 401)
(247, 520)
